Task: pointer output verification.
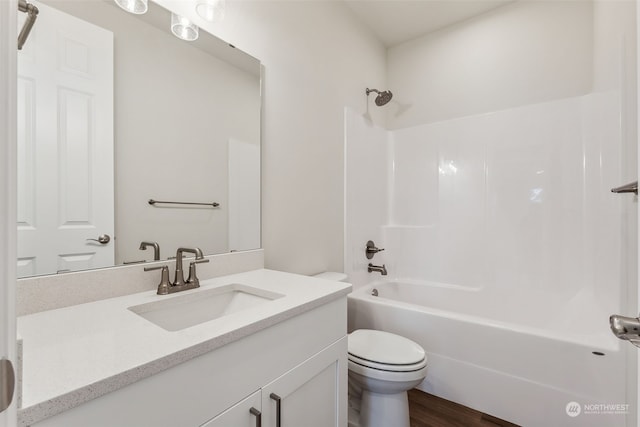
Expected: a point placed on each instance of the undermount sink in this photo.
(194, 308)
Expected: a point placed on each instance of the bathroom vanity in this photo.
(278, 344)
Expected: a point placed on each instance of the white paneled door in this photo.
(65, 146)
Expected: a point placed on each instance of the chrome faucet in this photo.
(166, 287)
(156, 249)
(382, 269)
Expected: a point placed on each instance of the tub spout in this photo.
(382, 269)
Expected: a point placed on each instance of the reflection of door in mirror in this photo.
(65, 146)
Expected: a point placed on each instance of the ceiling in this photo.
(396, 21)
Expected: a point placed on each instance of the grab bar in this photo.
(154, 202)
(628, 188)
(32, 15)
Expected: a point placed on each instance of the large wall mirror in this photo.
(115, 111)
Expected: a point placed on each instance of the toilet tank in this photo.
(332, 275)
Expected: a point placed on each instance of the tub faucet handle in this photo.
(371, 249)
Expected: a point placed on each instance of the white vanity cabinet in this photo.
(308, 395)
(302, 359)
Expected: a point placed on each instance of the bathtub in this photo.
(501, 355)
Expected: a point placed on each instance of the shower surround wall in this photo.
(516, 202)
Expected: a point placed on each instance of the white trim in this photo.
(8, 57)
(636, 410)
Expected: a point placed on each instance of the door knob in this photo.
(102, 239)
(626, 328)
(7, 383)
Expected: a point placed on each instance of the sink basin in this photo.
(191, 309)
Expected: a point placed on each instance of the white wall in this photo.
(522, 53)
(317, 59)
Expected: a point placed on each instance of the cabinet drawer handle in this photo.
(278, 400)
(258, 415)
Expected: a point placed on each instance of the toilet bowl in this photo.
(382, 368)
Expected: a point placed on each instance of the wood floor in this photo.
(427, 410)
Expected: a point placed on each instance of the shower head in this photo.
(382, 98)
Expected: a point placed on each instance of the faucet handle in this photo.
(371, 249)
(165, 284)
(193, 278)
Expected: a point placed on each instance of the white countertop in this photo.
(74, 354)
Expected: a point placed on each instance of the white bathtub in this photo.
(497, 354)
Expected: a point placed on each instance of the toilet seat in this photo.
(385, 375)
(389, 351)
(388, 367)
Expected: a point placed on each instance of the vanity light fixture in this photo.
(211, 10)
(134, 6)
(182, 28)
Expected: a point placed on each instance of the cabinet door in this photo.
(246, 413)
(313, 394)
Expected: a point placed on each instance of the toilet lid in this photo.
(384, 348)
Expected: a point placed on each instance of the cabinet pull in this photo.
(258, 415)
(278, 400)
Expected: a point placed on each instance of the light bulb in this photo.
(182, 28)
(133, 6)
(211, 10)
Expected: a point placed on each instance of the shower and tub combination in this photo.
(487, 179)
(505, 253)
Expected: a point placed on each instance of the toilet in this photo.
(382, 368)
